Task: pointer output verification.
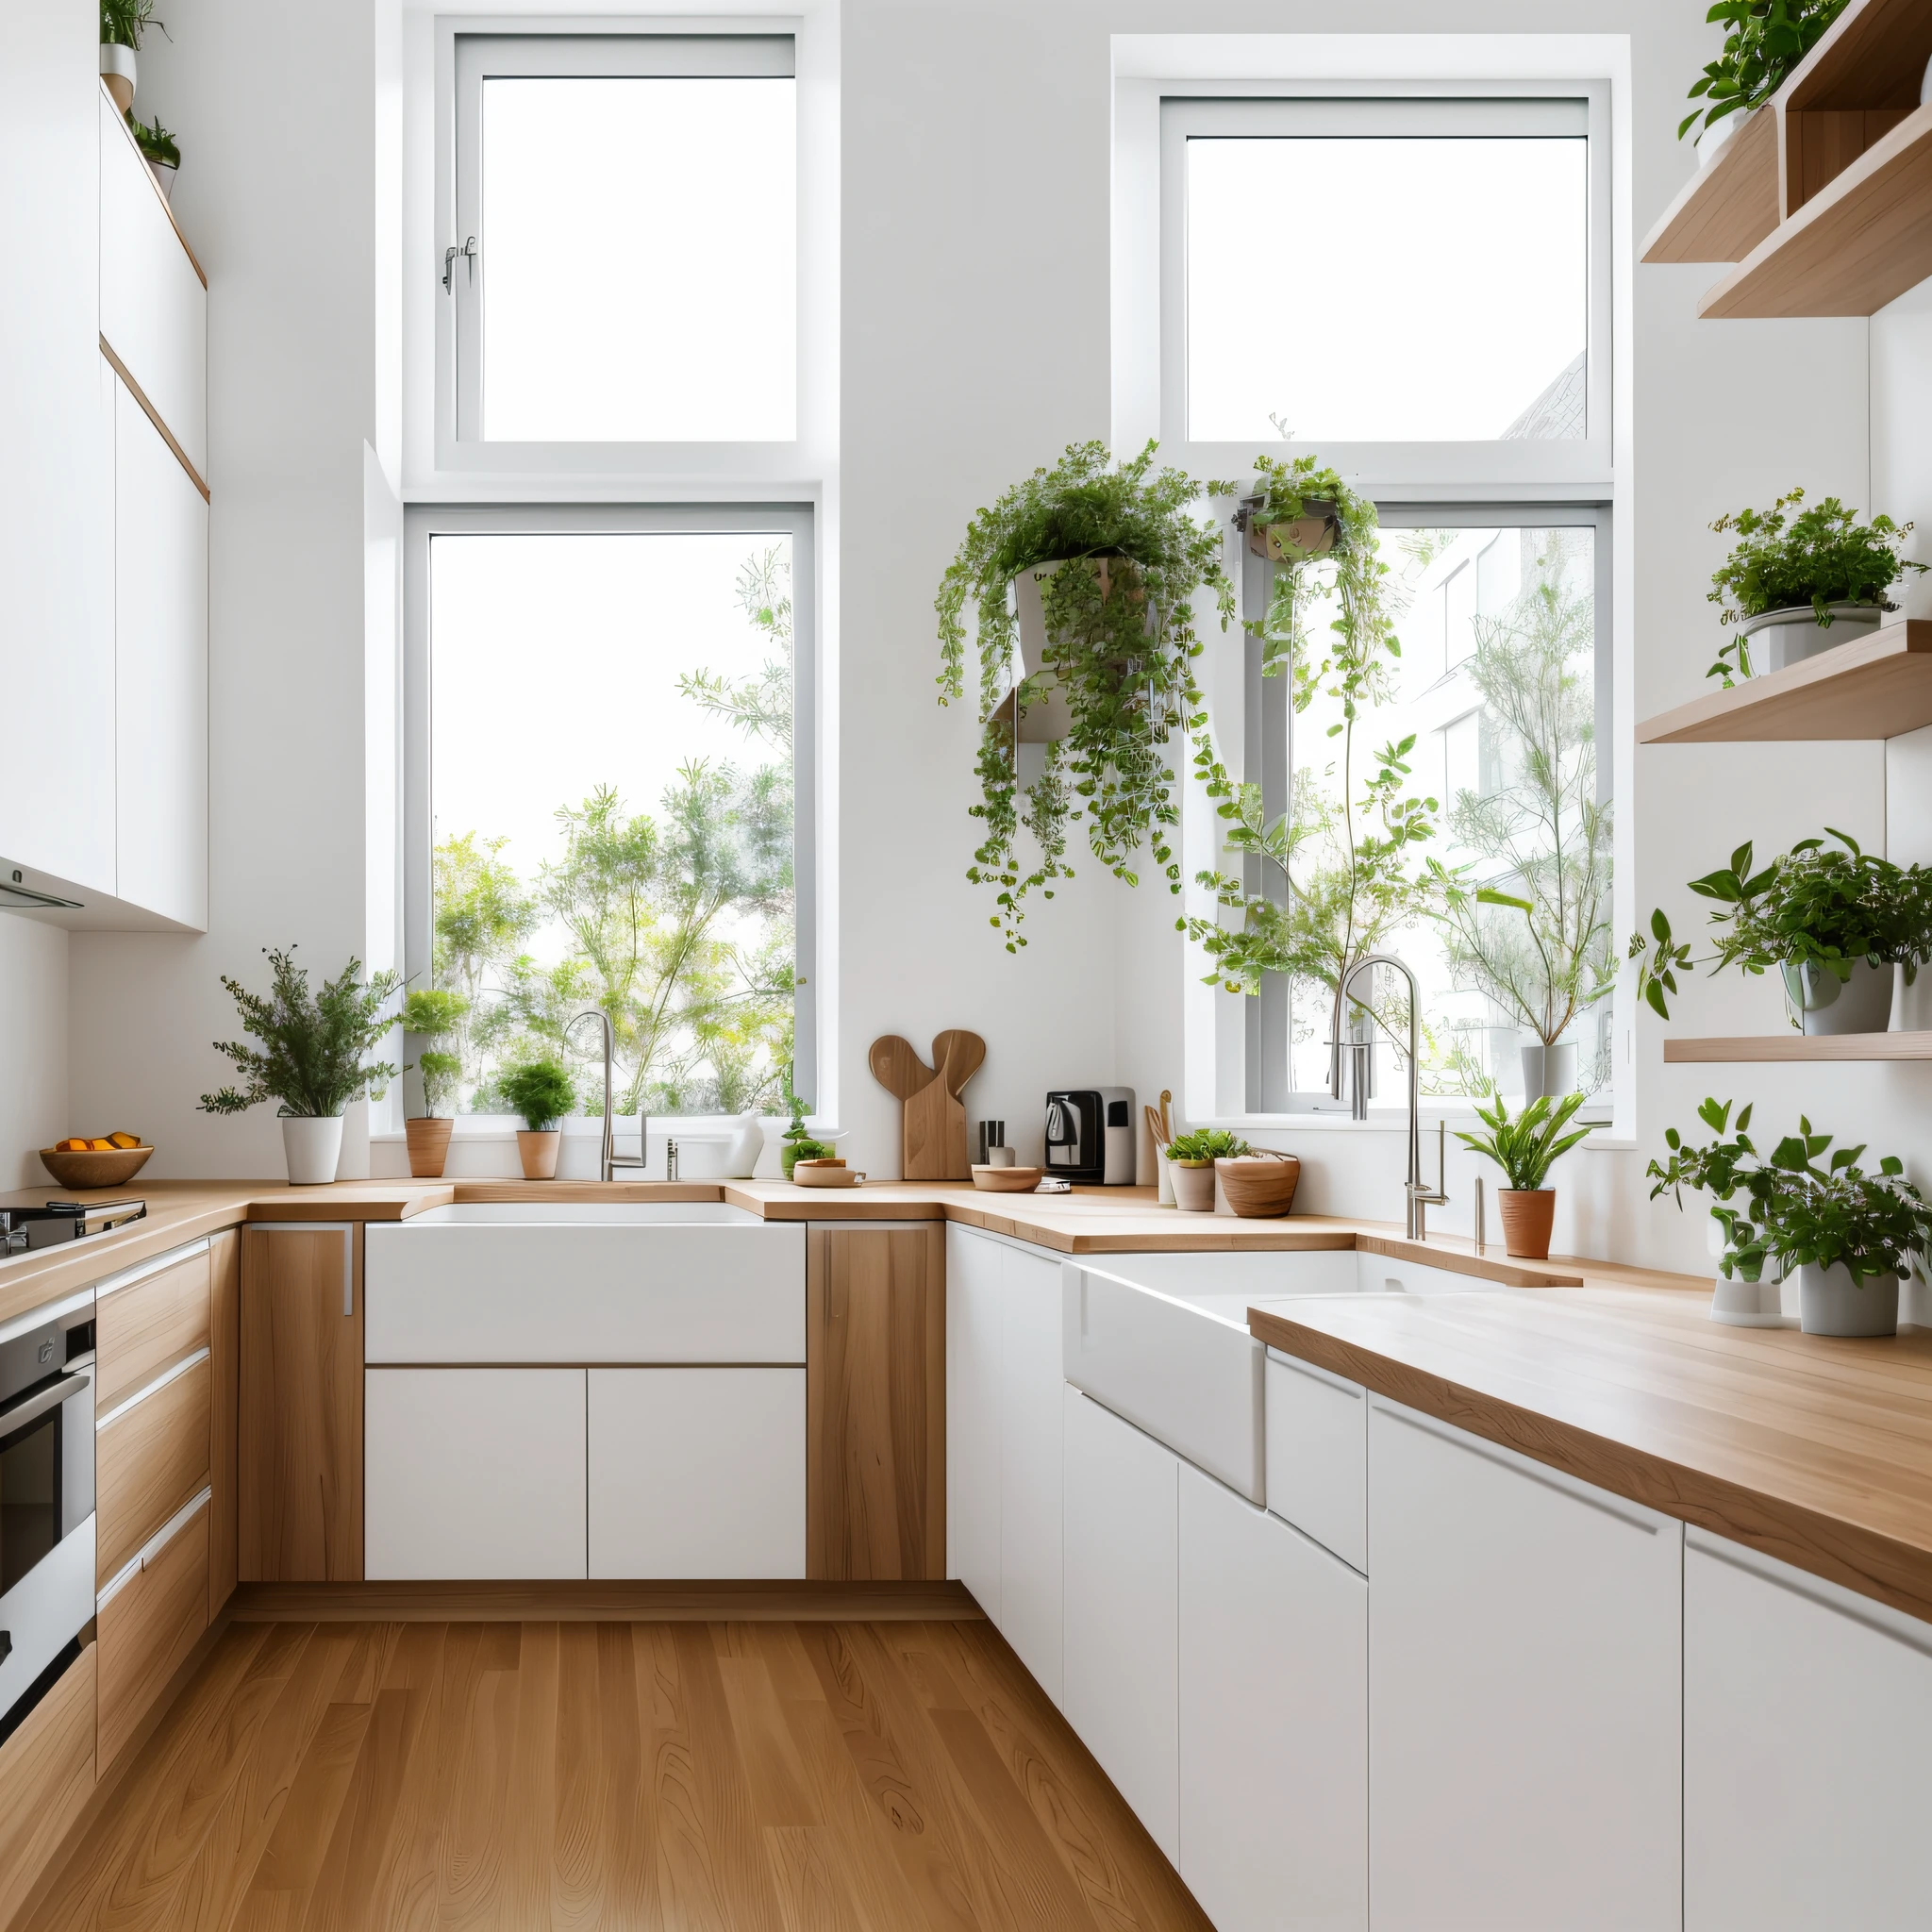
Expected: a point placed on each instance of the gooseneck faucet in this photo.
(1418, 1198)
(612, 1159)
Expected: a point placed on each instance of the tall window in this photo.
(1417, 290)
(613, 796)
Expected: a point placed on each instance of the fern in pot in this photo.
(542, 1092)
(1525, 1148)
(433, 1014)
(311, 1057)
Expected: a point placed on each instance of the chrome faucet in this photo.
(1418, 1199)
(611, 1160)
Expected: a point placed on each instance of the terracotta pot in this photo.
(538, 1152)
(1527, 1213)
(428, 1141)
(1194, 1185)
(1260, 1186)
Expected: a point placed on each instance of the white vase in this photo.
(1548, 1070)
(1830, 1303)
(1825, 1003)
(1783, 638)
(312, 1145)
(117, 70)
(747, 1143)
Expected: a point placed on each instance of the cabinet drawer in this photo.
(149, 1459)
(1318, 1457)
(46, 1776)
(147, 1321)
(148, 1625)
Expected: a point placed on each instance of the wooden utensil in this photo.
(935, 1120)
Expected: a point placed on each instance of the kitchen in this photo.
(983, 1473)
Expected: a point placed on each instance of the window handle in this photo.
(450, 254)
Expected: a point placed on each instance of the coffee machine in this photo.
(1089, 1136)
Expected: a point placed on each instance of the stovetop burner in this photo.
(24, 1229)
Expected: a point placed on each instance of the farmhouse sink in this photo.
(584, 1213)
(1163, 1341)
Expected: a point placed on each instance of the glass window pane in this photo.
(1411, 290)
(639, 260)
(612, 791)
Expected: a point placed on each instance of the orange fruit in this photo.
(123, 1139)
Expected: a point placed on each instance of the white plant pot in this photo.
(742, 1153)
(1548, 1070)
(1826, 1004)
(1782, 638)
(1829, 1303)
(1912, 1001)
(313, 1148)
(1714, 140)
(117, 70)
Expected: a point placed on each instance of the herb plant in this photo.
(312, 1045)
(799, 1143)
(1529, 1146)
(124, 22)
(1723, 1169)
(1766, 40)
(1121, 646)
(155, 143)
(435, 1013)
(1820, 556)
(1815, 906)
(1207, 1143)
(541, 1090)
(1840, 1215)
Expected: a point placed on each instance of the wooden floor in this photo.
(721, 1777)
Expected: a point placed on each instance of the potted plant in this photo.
(1193, 1157)
(798, 1142)
(1802, 583)
(1834, 923)
(122, 23)
(542, 1092)
(1525, 1149)
(1764, 41)
(1731, 1172)
(159, 151)
(433, 1013)
(1084, 575)
(311, 1059)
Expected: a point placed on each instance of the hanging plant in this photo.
(1111, 554)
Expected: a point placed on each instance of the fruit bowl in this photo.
(104, 1167)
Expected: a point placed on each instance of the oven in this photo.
(46, 1497)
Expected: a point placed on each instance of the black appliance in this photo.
(1090, 1135)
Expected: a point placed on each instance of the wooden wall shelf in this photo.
(1801, 1046)
(1724, 210)
(1879, 686)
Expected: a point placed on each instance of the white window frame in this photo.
(422, 522)
(1492, 469)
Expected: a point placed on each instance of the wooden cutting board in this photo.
(935, 1117)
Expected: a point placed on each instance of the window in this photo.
(612, 812)
(632, 203)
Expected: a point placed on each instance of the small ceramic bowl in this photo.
(826, 1173)
(1008, 1180)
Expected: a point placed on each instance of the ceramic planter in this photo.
(1549, 1070)
(1528, 1214)
(428, 1139)
(1194, 1185)
(538, 1152)
(1115, 574)
(1783, 638)
(1830, 1303)
(1825, 1003)
(1735, 1302)
(1258, 1187)
(1313, 534)
(117, 70)
(312, 1147)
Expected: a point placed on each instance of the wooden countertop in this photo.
(1813, 1450)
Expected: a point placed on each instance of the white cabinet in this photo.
(160, 644)
(1318, 1455)
(697, 1473)
(1274, 1688)
(1807, 1745)
(1122, 1630)
(975, 1309)
(1524, 1706)
(473, 1473)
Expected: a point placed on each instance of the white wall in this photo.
(33, 1098)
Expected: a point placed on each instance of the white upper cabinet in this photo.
(160, 636)
(153, 309)
(1525, 1656)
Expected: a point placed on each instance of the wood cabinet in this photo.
(1274, 1701)
(148, 1319)
(225, 1400)
(1524, 1692)
(876, 1401)
(46, 1777)
(151, 1457)
(300, 1478)
(1807, 1713)
(1122, 1633)
(149, 1622)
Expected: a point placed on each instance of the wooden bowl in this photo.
(109, 1167)
(825, 1174)
(1259, 1186)
(1008, 1180)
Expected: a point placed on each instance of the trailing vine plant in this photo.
(1120, 644)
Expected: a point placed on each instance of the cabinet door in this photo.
(161, 654)
(476, 1473)
(147, 1628)
(1808, 1740)
(1033, 1401)
(300, 1482)
(1121, 1616)
(697, 1473)
(976, 1286)
(46, 1778)
(1525, 1692)
(1273, 1691)
(224, 1357)
(875, 1338)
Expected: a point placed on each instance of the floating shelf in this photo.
(1802, 1046)
(1726, 210)
(1878, 686)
